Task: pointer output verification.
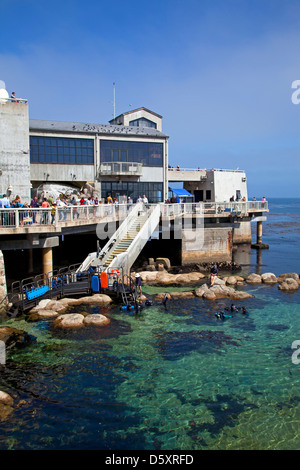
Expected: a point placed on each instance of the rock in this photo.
(96, 319)
(225, 291)
(162, 295)
(150, 267)
(289, 284)
(5, 411)
(182, 295)
(209, 295)
(284, 276)
(151, 262)
(13, 337)
(160, 267)
(55, 305)
(43, 303)
(269, 278)
(239, 295)
(222, 291)
(231, 280)
(69, 320)
(101, 299)
(164, 261)
(253, 279)
(6, 399)
(201, 290)
(42, 314)
(219, 282)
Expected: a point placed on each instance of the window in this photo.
(153, 191)
(142, 122)
(147, 153)
(61, 150)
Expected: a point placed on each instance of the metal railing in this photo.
(120, 168)
(80, 215)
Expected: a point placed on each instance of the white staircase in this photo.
(128, 241)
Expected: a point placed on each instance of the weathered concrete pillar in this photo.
(47, 260)
(259, 232)
(208, 245)
(242, 233)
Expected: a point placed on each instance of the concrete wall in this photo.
(242, 232)
(226, 183)
(212, 244)
(14, 149)
(61, 172)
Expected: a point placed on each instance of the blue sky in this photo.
(219, 72)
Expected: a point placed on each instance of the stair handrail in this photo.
(139, 241)
(120, 232)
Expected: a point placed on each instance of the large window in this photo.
(61, 150)
(147, 153)
(153, 191)
(142, 122)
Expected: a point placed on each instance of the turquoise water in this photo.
(168, 379)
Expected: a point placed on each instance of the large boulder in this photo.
(231, 281)
(96, 319)
(42, 314)
(209, 295)
(182, 295)
(254, 279)
(6, 399)
(285, 276)
(201, 290)
(164, 261)
(69, 320)
(240, 295)
(269, 278)
(99, 299)
(288, 284)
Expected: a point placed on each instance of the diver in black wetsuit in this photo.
(220, 315)
(244, 311)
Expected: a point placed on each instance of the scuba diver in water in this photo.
(165, 300)
(244, 311)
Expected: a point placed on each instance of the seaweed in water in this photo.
(174, 344)
(225, 411)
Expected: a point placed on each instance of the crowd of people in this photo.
(59, 207)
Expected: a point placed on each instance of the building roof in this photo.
(180, 192)
(86, 128)
(135, 110)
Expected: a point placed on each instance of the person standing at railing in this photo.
(34, 205)
(18, 205)
(45, 218)
(53, 212)
(4, 203)
(13, 97)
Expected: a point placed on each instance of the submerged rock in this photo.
(13, 337)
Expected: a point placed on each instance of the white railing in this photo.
(79, 215)
(120, 168)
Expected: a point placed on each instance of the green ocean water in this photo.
(174, 378)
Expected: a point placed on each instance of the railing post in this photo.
(17, 218)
